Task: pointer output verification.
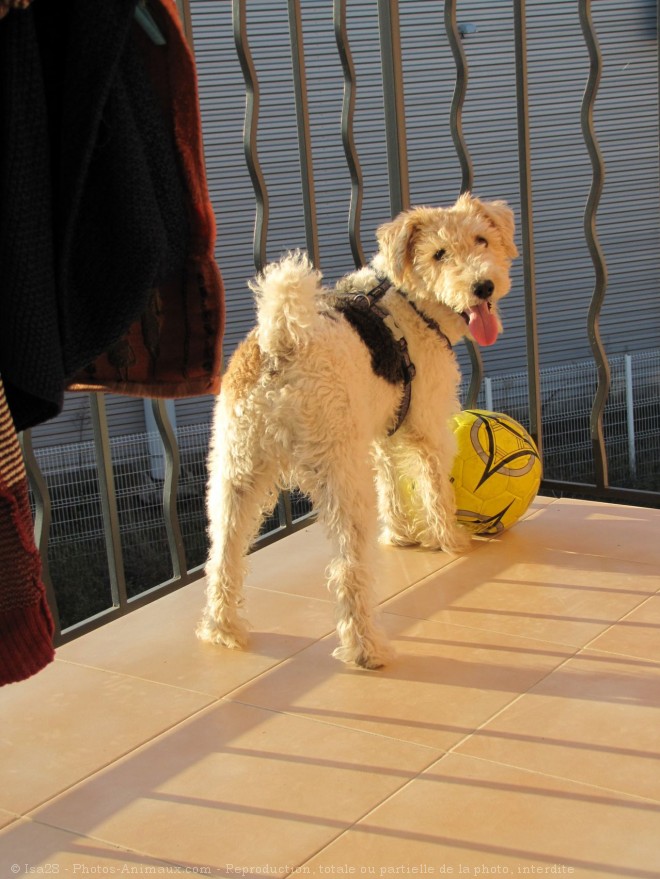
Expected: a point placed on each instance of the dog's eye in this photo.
(439, 255)
(482, 240)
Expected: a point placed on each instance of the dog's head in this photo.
(459, 256)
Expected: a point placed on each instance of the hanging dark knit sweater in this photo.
(96, 207)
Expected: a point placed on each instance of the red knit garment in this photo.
(174, 349)
(26, 626)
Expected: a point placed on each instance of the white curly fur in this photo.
(301, 406)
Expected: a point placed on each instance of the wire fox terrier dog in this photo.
(340, 393)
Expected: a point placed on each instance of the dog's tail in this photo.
(287, 295)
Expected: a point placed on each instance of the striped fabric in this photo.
(26, 626)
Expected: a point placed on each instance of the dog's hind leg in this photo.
(345, 498)
(238, 496)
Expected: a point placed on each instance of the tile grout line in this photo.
(266, 671)
(214, 697)
(135, 677)
(515, 700)
(616, 656)
(368, 812)
(622, 619)
(541, 641)
(113, 846)
(563, 778)
(337, 726)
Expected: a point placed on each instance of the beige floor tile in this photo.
(526, 590)
(445, 681)
(67, 721)
(28, 848)
(594, 720)
(473, 818)
(599, 529)
(636, 635)
(238, 786)
(556, 752)
(297, 565)
(158, 642)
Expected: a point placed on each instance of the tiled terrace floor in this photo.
(517, 733)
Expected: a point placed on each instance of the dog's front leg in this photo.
(439, 527)
(398, 527)
(428, 517)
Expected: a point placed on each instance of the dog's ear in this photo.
(500, 216)
(397, 241)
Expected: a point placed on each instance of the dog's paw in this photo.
(392, 538)
(376, 659)
(371, 653)
(456, 541)
(234, 634)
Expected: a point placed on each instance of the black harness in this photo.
(378, 330)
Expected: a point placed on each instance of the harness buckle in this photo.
(362, 301)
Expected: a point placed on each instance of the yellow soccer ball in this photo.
(496, 473)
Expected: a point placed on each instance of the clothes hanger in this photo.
(148, 24)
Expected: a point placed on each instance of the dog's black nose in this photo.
(484, 289)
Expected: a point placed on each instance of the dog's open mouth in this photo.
(483, 324)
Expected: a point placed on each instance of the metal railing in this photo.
(120, 598)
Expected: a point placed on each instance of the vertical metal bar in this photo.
(170, 487)
(42, 521)
(395, 117)
(488, 389)
(467, 175)
(630, 416)
(527, 224)
(108, 500)
(284, 510)
(347, 116)
(260, 238)
(304, 133)
(591, 236)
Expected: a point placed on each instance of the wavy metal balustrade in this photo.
(395, 125)
(347, 131)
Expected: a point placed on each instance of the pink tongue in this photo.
(483, 324)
